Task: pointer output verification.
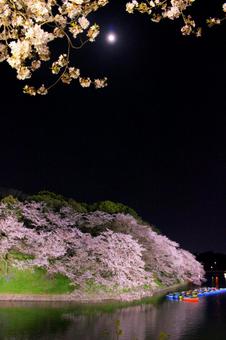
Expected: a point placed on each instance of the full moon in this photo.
(111, 38)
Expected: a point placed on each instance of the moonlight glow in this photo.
(111, 38)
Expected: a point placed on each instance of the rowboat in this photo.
(194, 295)
(190, 299)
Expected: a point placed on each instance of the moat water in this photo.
(205, 320)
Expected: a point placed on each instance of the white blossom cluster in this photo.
(172, 9)
(123, 253)
(28, 27)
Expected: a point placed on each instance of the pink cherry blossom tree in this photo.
(123, 253)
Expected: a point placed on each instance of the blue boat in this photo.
(169, 297)
(211, 291)
(201, 294)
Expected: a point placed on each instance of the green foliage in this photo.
(19, 256)
(147, 287)
(79, 207)
(113, 208)
(56, 201)
(52, 200)
(9, 200)
(159, 282)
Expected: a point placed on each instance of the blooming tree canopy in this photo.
(122, 253)
(30, 27)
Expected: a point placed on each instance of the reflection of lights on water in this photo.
(217, 282)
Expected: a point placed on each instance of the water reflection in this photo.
(28, 321)
(59, 321)
(215, 281)
(142, 322)
(25, 321)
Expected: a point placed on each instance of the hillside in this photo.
(50, 245)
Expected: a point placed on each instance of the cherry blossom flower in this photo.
(29, 27)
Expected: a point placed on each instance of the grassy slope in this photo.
(31, 281)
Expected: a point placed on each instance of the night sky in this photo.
(155, 139)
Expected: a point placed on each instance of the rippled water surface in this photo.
(194, 321)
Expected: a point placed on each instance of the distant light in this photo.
(215, 262)
(225, 275)
(111, 38)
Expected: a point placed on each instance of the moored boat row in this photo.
(195, 294)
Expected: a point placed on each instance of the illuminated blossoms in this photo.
(109, 249)
(172, 9)
(28, 27)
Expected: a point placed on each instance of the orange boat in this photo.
(190, 299)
